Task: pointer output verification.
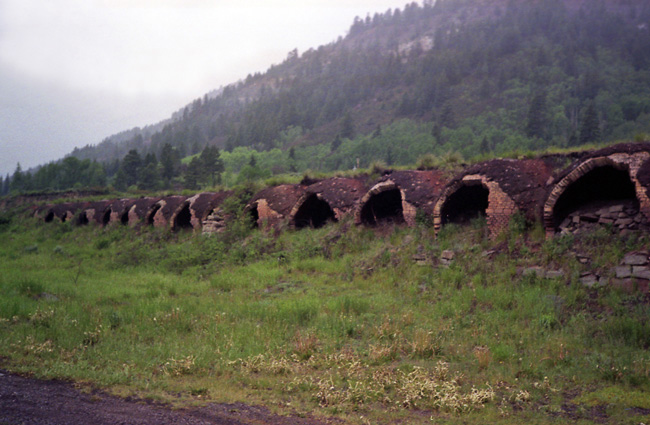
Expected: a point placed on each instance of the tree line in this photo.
(523, 76)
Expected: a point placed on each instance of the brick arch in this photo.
(629, 164)
(106, 216)
(385, 201)
(498, 211)
(150, 217)
(182, 218)
(311, 210)
(82, 219)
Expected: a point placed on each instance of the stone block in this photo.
(616, 208)
(589, 280)
(448, 255)
(537, 271)
(635, 259)
(623, 272)
(624, 221)
(641, 272)
(554, 274)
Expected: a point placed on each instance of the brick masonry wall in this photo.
(500, 207)
(631, 162)
(267, 217)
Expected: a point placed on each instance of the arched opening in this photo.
(106, 217)
(601, 187)
(124, 218)
(82, 219)
(383, 207)
(49, 217)
(468, 202)
(313, 212)
(254, 217)
(152, 214)
(183, 219)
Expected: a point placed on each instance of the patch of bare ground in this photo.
(29, 401)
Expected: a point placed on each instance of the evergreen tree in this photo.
(17, 180)
(7, 184)
(253, 161)
(436, 132)
(485, 145)
(150, 158)
(170, 161)
(130, 166)
(590, 126)
(336, 144)
(193, 173)
(150, 177)
(447, 118)
(121, 180)
(537, 123)
(212, 164)
(347, 126)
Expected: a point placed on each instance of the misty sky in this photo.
(73, 72)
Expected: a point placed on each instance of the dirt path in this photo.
(26, 401)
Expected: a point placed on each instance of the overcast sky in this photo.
(73, 72)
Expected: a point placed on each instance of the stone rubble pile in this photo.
(622, 217)
(632, 274)
(214, 223)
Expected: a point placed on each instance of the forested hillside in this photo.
(467, 76)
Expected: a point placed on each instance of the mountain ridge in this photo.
(469, 71)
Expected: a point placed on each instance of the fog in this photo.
(73, 72)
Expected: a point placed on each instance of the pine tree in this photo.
(212, 164)
(590, 126)
(485, 145)
(150, 177)
(347, 126)
(170, 161)
(131, 165)
(436, 132)
(336, 144)
(193, 173)
(537, 122)
(17, 180)
(7, 184)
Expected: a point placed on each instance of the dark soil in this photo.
(28, 401)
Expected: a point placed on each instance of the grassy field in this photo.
(338, 321)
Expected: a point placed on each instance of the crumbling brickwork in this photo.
(500, 206)
(630, 162)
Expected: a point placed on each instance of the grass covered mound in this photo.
(369, 325)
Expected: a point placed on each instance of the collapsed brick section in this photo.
(91, 212)
(614, 175)
(399, 195)
(160, 213)
(511, 186)
(273, 205)
(117, 212)
(330, 199)
(62, 212)
(194, 211)
(139, 210)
